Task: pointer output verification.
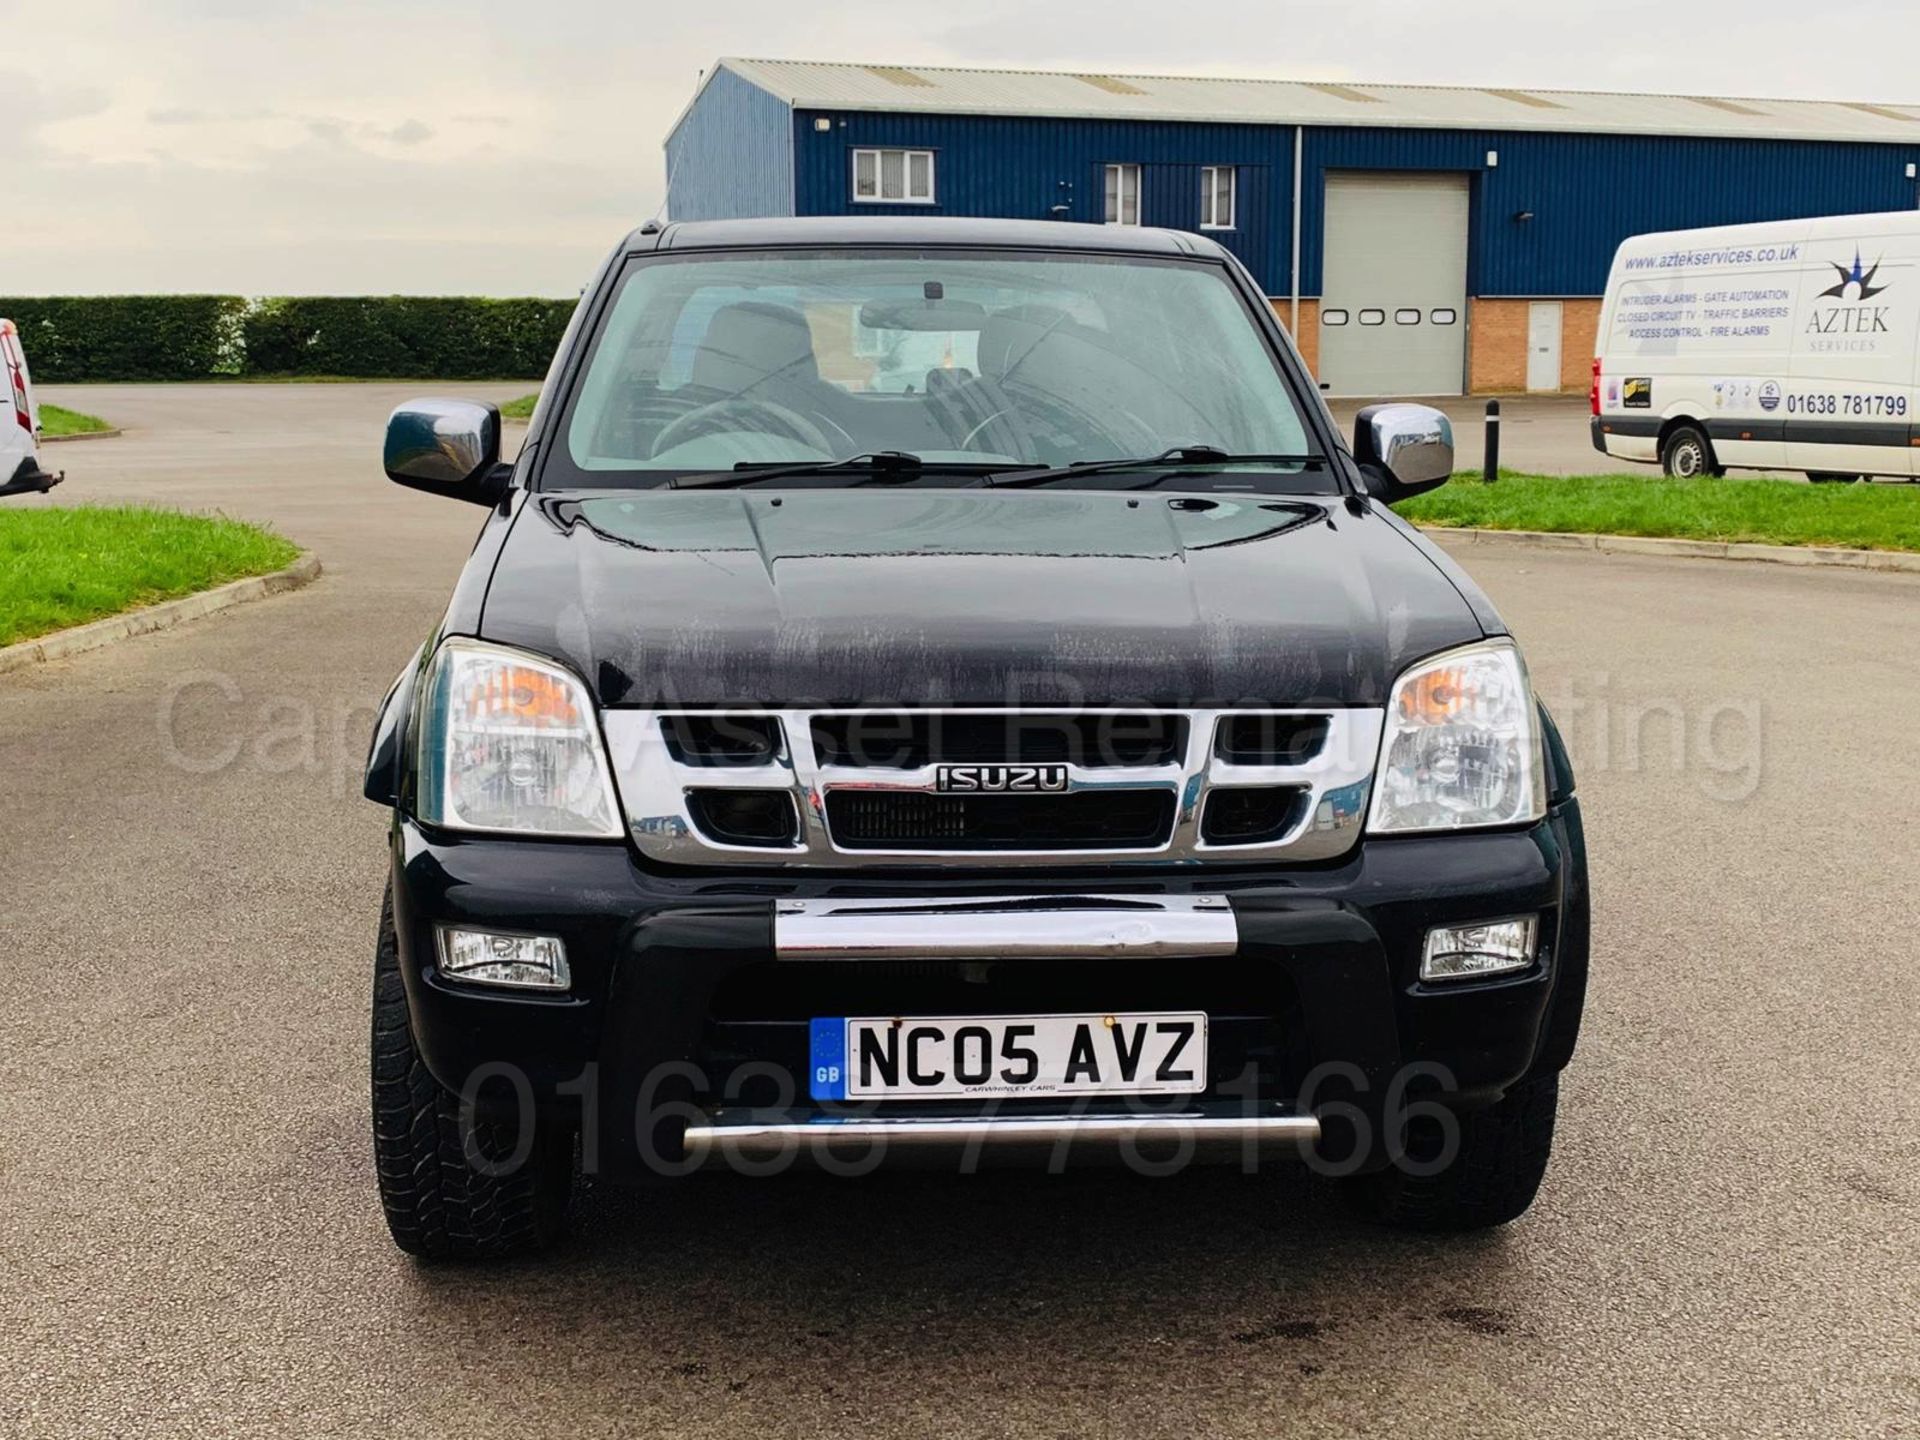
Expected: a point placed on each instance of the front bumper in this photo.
(691, 992)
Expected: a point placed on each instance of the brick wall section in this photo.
(1578, 329)
(1497, 345)
(1497, 352)
(1309, 337)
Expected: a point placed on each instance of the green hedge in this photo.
(203, 337)
(130, 337)
(406, 337)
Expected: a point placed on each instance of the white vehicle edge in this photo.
(20, 469)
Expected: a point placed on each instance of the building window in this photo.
(1406, 317)
(1333, 317)
(1123, 195)
(1373, 317)
(1216, 197)
(1444, 316)
(893, 177)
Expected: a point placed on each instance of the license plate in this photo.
(889, 1058)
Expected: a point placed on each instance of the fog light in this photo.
(482, 957)
(1492, 947)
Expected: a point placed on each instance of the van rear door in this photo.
(1851, 395)
(20, 471)
(21, 413)
(19, 422)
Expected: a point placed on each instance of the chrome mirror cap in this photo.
(442, 445)
(1408, 447)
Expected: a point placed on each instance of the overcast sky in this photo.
(479, 146)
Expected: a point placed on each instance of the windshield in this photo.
(965, 361)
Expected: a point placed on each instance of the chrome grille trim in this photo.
(1006, 927)
(653, 789)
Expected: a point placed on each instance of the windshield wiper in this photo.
(878, 467)
(1189, 457)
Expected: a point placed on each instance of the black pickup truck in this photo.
(945, 687)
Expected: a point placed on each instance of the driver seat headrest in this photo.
(1010, 335)
(752, 342)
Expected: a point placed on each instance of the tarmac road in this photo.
(190, 1241)
(1539, 434)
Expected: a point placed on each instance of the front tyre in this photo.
(452, 1191)
(1492, 1178)
(1687, 454)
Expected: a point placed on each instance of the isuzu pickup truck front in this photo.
(945, 688)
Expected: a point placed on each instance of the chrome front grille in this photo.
(867, 787)
(1108, 818)
(909, 739)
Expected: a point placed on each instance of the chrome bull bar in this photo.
(759, 1137)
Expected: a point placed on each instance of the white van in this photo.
(1791, 345)
(19, 421)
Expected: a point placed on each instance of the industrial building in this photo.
(1418, 240)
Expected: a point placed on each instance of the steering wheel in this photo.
(1044, 415)
(980, 418)
(742, 413)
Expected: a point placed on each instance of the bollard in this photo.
(1490, 466)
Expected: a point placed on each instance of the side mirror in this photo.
(447, 447)
(1403, 450)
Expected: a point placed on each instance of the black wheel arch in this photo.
(386, 752)
(1675, 423)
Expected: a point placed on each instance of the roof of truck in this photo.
(869, 230)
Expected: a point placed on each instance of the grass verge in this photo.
(62, 567)
(1765, 512)
(521, 409)
(58, 420)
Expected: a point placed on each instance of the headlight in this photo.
(510, 742)
(1462, 745)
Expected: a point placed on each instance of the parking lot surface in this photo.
(191, 1243)
(1539, 434)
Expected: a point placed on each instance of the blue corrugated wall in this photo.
(731, 155)
(1589, 192)
(739, 152)
(1022, 168)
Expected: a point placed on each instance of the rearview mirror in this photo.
(938, 316)
(447, 447)
(1403, 450)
